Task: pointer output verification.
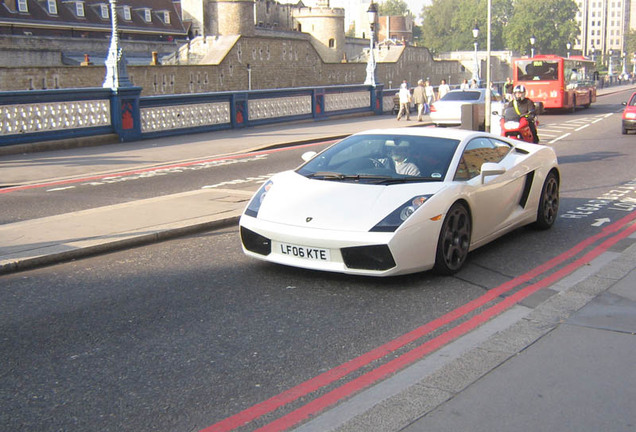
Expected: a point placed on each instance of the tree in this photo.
(552, 22)
(447, 25)
(393, 8)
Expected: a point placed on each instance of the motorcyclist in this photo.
(524, 107)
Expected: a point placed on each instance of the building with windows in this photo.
(137, 19)
(604, 25)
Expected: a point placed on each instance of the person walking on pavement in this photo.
(419, 98)
(507, 88)
(464, 85)
(429, 91)
(442, 90)
(405, 101)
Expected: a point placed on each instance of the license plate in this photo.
(304, 252)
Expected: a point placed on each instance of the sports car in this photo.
(397, 201)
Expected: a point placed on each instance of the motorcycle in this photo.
(515, 126)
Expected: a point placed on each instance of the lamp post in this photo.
(624, 71)
(610, 70)
(116, 74)
(249, 77)
(533, 40)
(372, 13)
(568, 46)
(488, 101)
(593, 50)
(476, 67)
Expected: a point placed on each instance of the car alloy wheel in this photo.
(454, 240)
(549, 202)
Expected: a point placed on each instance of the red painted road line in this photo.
(145, 170)
(346, 390)
(338, 372)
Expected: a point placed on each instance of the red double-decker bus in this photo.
(557, 82)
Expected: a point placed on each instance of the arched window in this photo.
(332, 43)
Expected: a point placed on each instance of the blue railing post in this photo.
(318, 103)
(376, 98)
(125, 113)
(239, 110)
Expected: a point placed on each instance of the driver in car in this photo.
(400, 154)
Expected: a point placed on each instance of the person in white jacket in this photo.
(405, 101)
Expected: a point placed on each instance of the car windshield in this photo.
(465, 95)
(383, 159)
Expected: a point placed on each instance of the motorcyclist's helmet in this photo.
(520, 92)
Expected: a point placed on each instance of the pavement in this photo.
(563, 363)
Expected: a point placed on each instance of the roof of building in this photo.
(137, 16)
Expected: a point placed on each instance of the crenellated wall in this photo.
(274, 62)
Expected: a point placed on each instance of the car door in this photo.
(494, 202)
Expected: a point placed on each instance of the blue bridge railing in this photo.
(46, 115)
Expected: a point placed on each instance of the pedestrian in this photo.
(429, 91)
(473, 84)
(419, 98)
(443, 89)
(464, 85)
(405, 101)
(508, 87)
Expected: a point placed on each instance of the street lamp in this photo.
(533, 40)
(249, 77)
(476, 67)
(568, 46)
(372, 13)
(624, 71)
(116, 74)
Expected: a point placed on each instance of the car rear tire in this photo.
(549, 202)
(454, 241)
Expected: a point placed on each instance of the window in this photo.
(51, 5)
(147, 15)
(79, 9)
(127, 15)
(478, 152)
(22, 6)
(332, 43)
(103, 11)
(166, 17)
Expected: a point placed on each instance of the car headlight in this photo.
(254, 206)
(399, 215)
(630, 115)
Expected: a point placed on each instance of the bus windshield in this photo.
(537, 70)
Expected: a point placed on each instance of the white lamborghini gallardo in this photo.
(395, 201)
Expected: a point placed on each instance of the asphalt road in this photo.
(180, 335)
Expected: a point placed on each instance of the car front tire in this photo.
(454, 240)
(549, 202)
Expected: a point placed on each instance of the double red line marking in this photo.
(315, 406)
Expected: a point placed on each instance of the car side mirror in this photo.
(624, 103)
(491, 169)
(307, 156)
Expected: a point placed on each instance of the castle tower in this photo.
(233, 17)
(326, 25)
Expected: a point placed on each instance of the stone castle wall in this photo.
(274, 62)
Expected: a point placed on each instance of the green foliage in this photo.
(630, 43)
(447, 24)
(552, 22)
(393, 8)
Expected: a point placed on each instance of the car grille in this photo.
(255, 242)
(376, 257)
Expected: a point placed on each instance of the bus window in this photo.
(537, 70)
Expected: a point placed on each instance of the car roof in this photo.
(453, 133)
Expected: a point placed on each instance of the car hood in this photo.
(335, 205)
